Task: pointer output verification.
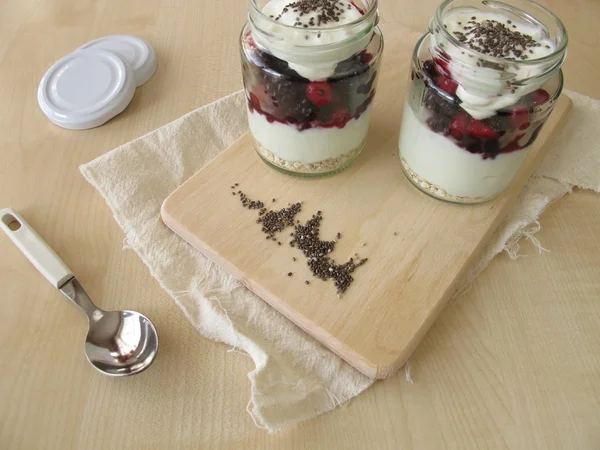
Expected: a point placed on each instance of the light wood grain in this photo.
(418, 248)
(514, 363)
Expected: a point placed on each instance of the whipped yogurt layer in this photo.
(438, 165)
(309, 146)
(485, 38)
(296, 27)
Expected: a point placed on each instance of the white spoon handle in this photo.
(34, 247)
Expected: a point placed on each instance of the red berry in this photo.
(459, 125)
(366, 57)
(340, 117)
(441, 63)
(254, 101)
(447, 84)
(319, 93)
(520, 117)
(537, 98)
(481, 130)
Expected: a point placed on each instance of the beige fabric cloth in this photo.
(295, 377)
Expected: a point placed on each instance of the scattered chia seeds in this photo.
(306, 238)
(250, 204)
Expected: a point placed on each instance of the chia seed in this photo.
(306, 238)
(496, 39)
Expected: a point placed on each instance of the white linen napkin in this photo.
(295, 377)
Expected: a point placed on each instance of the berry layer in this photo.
(442, 163)
(510, 129)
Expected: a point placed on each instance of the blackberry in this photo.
(440, 105)
(351, 67)
(429, 69)
(278, 66)
(305, 111)
(489, 148)
(285, 93)
(439, 124)
(501, 122)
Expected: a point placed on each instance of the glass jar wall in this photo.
(484, 80)
(310, 73)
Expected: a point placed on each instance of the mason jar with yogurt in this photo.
(310, 73)
(484, 80)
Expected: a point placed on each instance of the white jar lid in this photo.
(136, 51)
(86, 89)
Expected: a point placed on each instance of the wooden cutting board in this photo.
(418, 247)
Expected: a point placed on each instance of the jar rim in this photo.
(558, 51)
(370, 11)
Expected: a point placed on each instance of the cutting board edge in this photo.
(369, 368)
(380, 368)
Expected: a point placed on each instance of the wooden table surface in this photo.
(514, 363)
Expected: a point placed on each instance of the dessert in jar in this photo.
(484, 80)
(310, 72)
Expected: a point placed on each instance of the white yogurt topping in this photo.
(481, 89)
(441, 162)
(291, 42)
(308, 146)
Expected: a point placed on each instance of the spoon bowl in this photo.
(121, 343)
(118, 343)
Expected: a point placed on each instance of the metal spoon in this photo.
(118, 343)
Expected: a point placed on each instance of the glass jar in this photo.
(479, 96)
(310, 76)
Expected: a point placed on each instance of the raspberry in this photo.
(538, 97)
(254, 101)
(366, 57)
(481, 130)
(441, 63)
(429, 68)
(447, 84)
(340, 117)
(459, 125)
